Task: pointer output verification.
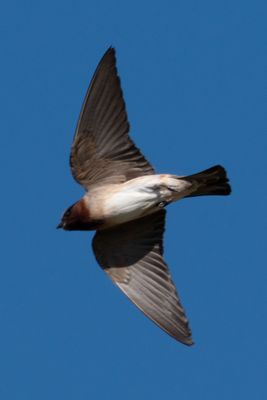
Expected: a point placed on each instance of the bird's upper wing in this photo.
(132, 255)
(102, 151)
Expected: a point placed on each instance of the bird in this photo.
(125, 202)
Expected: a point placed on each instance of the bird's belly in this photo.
(130, 203)
(136, 198)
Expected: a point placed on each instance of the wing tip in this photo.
(184, 338)
(110, 51)
(188, 341)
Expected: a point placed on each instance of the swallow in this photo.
(125, 201)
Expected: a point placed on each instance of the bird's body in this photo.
(138, 197)
(125, 200)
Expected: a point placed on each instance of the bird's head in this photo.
(77, 218)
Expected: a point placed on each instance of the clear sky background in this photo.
(193, 80)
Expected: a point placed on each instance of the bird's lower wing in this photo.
(132, 255)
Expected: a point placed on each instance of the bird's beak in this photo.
(60, 225)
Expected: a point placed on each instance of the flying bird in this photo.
(125, 201)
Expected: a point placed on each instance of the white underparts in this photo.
(142, 196)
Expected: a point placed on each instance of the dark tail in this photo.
(212, 181)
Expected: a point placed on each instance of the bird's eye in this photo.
(68, 212)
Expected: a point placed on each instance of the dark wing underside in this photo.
(102, 151)
(132, 255)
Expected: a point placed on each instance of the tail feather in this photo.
(212, 181)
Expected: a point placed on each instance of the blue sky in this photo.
(193, 79)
